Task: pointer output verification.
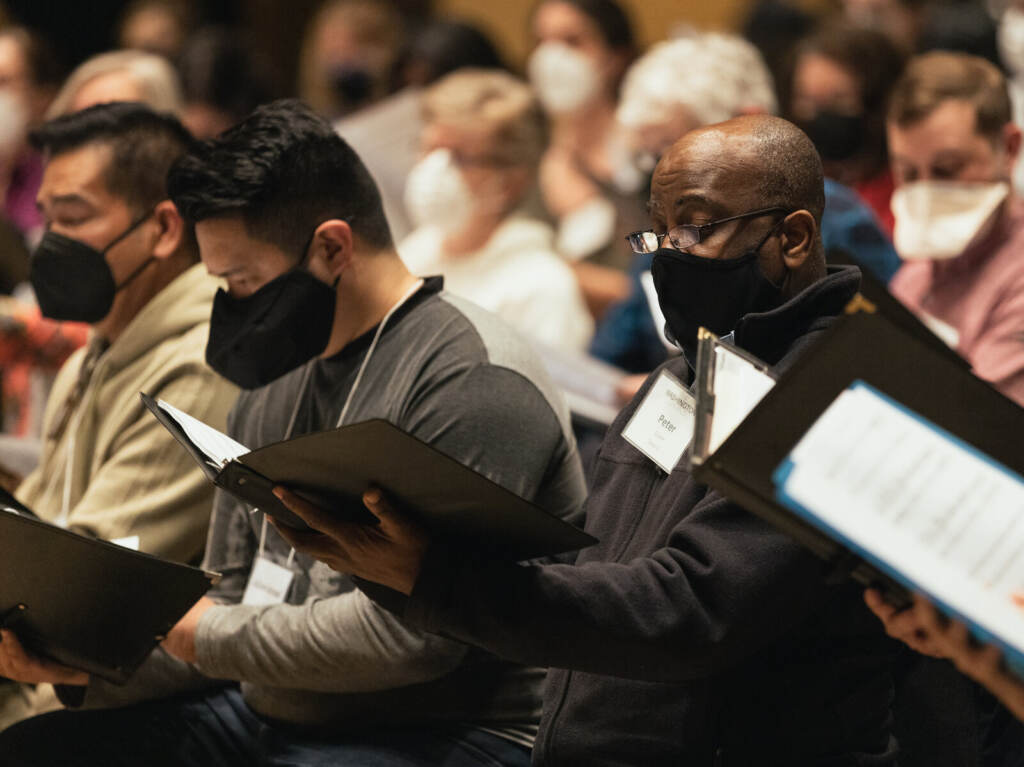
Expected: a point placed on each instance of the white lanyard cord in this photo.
(373, 345)
(348, 400)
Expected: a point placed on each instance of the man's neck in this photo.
(135, 296)
(376, 284)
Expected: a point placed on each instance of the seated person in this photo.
(694, 632)
(31, 346)
(326, 326)
(483, 138)
(118, 255)
(663, 97)
(959, 225)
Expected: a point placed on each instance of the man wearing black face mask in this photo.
(323, 324)
(116, 254)
(693, 633)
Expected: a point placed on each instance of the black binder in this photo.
(334, 468)
(86, 603)
(899, 361)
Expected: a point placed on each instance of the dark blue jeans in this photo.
(217, 729)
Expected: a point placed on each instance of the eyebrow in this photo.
(695, 199)
(65, 199)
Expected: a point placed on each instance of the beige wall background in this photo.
(508, 20)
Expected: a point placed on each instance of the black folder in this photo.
(900, 362)
(334, 468)
(86, 603)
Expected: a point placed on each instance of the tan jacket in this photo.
(122, 472)
(115, 471)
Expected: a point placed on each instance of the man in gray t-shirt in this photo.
(324, 325)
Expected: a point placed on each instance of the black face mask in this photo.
(836, 136)
(283, 325)
(353, 84)
(713, 293)
(73, 281)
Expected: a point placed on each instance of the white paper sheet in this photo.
(589, 385)
(739, 386)
(218, 447)
(919, 502)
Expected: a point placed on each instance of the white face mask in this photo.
(940, 219)
(1011, 40)
(564, 78)
(437, 195)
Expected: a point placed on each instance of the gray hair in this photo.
(715, 76)
(155, 76)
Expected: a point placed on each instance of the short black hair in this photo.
(284, 170)
(609, 17)
(144, 145)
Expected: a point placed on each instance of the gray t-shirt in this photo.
(454, 376)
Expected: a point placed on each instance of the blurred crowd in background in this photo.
(518, 180)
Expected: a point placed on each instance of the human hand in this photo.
(983, 664)
(181, 640)
(903, 624)
(19, 664)
(390, 553)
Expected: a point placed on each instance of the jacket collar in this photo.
(768, 335)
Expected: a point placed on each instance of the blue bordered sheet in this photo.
(920, 505)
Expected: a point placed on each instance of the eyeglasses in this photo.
(686, 235)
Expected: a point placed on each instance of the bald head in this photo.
(758, 161)
(740, 166)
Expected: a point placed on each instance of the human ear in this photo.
(799, 230)
(333, 246)
(170, 230)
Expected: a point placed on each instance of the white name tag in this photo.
(268, 583)
(662, 427)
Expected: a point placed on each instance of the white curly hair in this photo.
(715, 76)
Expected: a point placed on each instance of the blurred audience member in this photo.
(349, 54)
(29, 77)
(841, 80)
(483, 138)
(444, 46)
(387, 135)
(587, 180)
(775, 27)
(120, 76)
(222, 81)
(1011, 54)
(958, 223)
(682, 85)
(157, 26)
(900, 20)
(962, 27)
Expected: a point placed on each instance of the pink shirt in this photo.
(981, 294)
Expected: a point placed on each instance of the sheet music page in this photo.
(217, 446)
(937, 512)
(739, 386)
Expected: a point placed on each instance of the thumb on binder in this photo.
(389, 553)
